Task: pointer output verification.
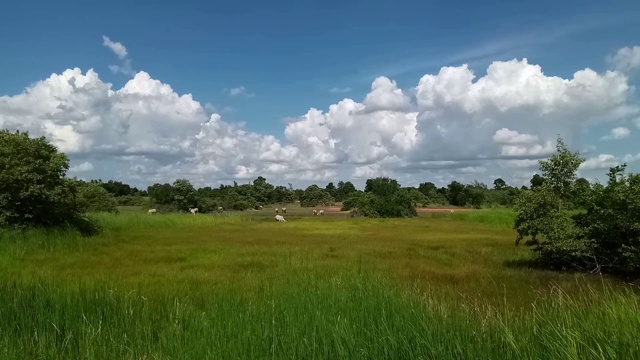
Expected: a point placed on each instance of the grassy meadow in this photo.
(243, 286)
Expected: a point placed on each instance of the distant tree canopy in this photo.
(383, 197)
(314, 196)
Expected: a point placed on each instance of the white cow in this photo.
(193, 210)
(315, 212)
(451, 211)
(280, 218)
(152, 211)
(284, 210)
(260, 207)
(219, 208)
(321, 212)
(276, 210)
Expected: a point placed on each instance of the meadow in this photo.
(243, 286)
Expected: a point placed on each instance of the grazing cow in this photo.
(451, 211)
(284, 210)
(276, 210)
(321, 212)
(280, 218)
(260, 207)
(315, 212)
(193, 210)
(152, 211)
(219, 208)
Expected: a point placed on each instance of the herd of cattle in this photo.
(278, 217)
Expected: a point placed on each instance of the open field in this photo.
(245, 286)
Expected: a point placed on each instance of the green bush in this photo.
(605, 238)
(94, 198)
(33, 189)
(382, 198)
(314, 196)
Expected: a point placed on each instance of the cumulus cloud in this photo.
(84, 167)
(121, 52)
(338, 90)
(618, 133)
(626, 59)
(451, 124)
(116, 47)
(237, 91)
(602, 161)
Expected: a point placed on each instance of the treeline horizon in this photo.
(181, 194)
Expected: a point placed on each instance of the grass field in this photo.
(242, 286)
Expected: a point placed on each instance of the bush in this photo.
(33, 188)
(606, 238)
(383, 197)
(314, 196)
(611, 224)
(94, 198)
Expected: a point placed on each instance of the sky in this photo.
(309, 92)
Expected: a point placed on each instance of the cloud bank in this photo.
(452, 124)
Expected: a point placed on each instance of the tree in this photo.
(331, 189)
(499, 184)
(33, 187)
(559, 171)
(314, 196)
(184, 194)
(456, 194)
(344, 190)
(582, 193)
(94, 198)
(536, 181)
(382, 197)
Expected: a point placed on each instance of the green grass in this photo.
(244, 286)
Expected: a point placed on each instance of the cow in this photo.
(152, 211)
(280, 218)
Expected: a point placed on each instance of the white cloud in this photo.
(240, 91)
(116, 47)
(626, 59)
(84, 167)
(340, 90)
(121, 52)
(618, 133)
(455, 126)
(602, 161)
(510, 137)
(631, 158)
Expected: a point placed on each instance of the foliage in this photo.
(605, 238)
(94, 198)
(314, 196)
(33, 189)
(611, 225)
(383, 198)
(559, 171)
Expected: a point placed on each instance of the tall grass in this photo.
(354, 317)
(244, 287)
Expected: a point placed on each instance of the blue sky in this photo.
(289, 56)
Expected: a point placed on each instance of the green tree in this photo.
(536, 181)
(382, 197)
(94, 198)
(343, 190)
(456, 194)
(582, 193)
(499, 184)
(314, 196)
(184, 194)
(559, 171)
(33, 187)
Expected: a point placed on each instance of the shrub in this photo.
(383, 197)
(94, 198)
(33, 188)
(314, 196)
